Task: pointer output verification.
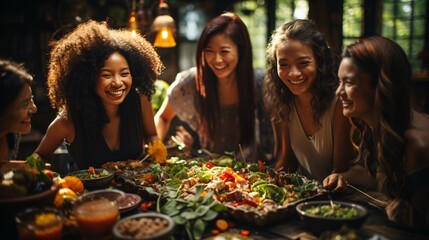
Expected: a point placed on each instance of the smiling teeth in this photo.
(296, 82)
(219, 67)
(116, 92)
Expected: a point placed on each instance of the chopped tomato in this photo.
(145, 206)
(91, 170)
(227, 177)
(149, 177)
(245, 202)
(245, 232)
(209, 165)
(261, 166)
(215, 232)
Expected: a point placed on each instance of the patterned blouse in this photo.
(182, 97)
(13, 152)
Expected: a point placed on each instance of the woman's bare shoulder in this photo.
(62, 124)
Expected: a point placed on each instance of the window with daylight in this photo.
(254, 15)
(404, 22)
(352, 21)
(287, 10)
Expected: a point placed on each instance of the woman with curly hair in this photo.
(220, 98)
(311, 134)
(16, 107)
(100, 81)
(391, 138)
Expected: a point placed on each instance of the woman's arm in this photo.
(283, 154)
(147, 116)
(356, 175)
(343, 154)
(58, 130)
(163, 118)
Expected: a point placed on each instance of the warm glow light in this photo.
(132, 23)
(164, 27)
(164, 38)
(164, 33)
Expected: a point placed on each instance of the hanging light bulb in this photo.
(164, 38)
(132, 20)
(164, 26)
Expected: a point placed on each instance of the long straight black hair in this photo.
(232, 27)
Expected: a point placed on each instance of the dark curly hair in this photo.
(277, 97)
(77, 58)
(383, 146)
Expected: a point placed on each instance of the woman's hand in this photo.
(335, 182)
(184, 137)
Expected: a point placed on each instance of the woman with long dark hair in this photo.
(16, 107)
(391, 138)
(311, 134)
(220, 98)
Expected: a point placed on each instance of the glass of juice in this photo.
(39, 224)
(95, 216)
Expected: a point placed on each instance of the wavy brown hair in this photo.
(13, 78)
(233, 28)
(75, 62)
(384, 146)
(277, 96)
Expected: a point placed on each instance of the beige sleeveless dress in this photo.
(315, 153)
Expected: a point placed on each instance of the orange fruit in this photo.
(74, 183)
(64, 194)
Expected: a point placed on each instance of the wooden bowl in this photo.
(11, 206)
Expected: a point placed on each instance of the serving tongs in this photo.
(380, 204)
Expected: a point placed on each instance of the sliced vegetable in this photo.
(244, 232)
(222, 225)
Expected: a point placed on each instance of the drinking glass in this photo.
(39, 224)
(95, 216)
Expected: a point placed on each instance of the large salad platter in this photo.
(250, 191)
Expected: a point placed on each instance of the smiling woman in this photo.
(16, 107)
(311, 132)
(100, 81)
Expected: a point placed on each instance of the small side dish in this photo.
(144, 226)
(334, 211)
(94, 178)
(130, 202)
(320, 216)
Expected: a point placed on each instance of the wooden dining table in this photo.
(376, 226)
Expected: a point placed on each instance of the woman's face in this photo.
(221, 55)
(296, 66)
(114, 80)
(18, 118)
(355, 92)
